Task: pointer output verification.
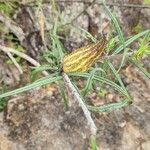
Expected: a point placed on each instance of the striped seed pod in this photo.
(81, 59)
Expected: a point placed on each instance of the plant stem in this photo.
(78, 98)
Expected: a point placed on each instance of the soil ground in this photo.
(37, 120)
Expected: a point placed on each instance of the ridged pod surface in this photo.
(81, 59)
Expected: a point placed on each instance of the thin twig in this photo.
(22, 55)
(15, 62)
(78, 98)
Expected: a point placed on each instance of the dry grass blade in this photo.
(22, 55)
(41, 21)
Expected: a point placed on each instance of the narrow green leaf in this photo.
(139, 66)
(88, 84)
(119, 31)
(115, 22)
(109, 107)
(118, 77)
(63, 95)
(31, 86)
(37, 70)
(101, 79)
(129, 41)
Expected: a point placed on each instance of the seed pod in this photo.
(81, 59)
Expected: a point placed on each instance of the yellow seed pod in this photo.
(81, 59)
